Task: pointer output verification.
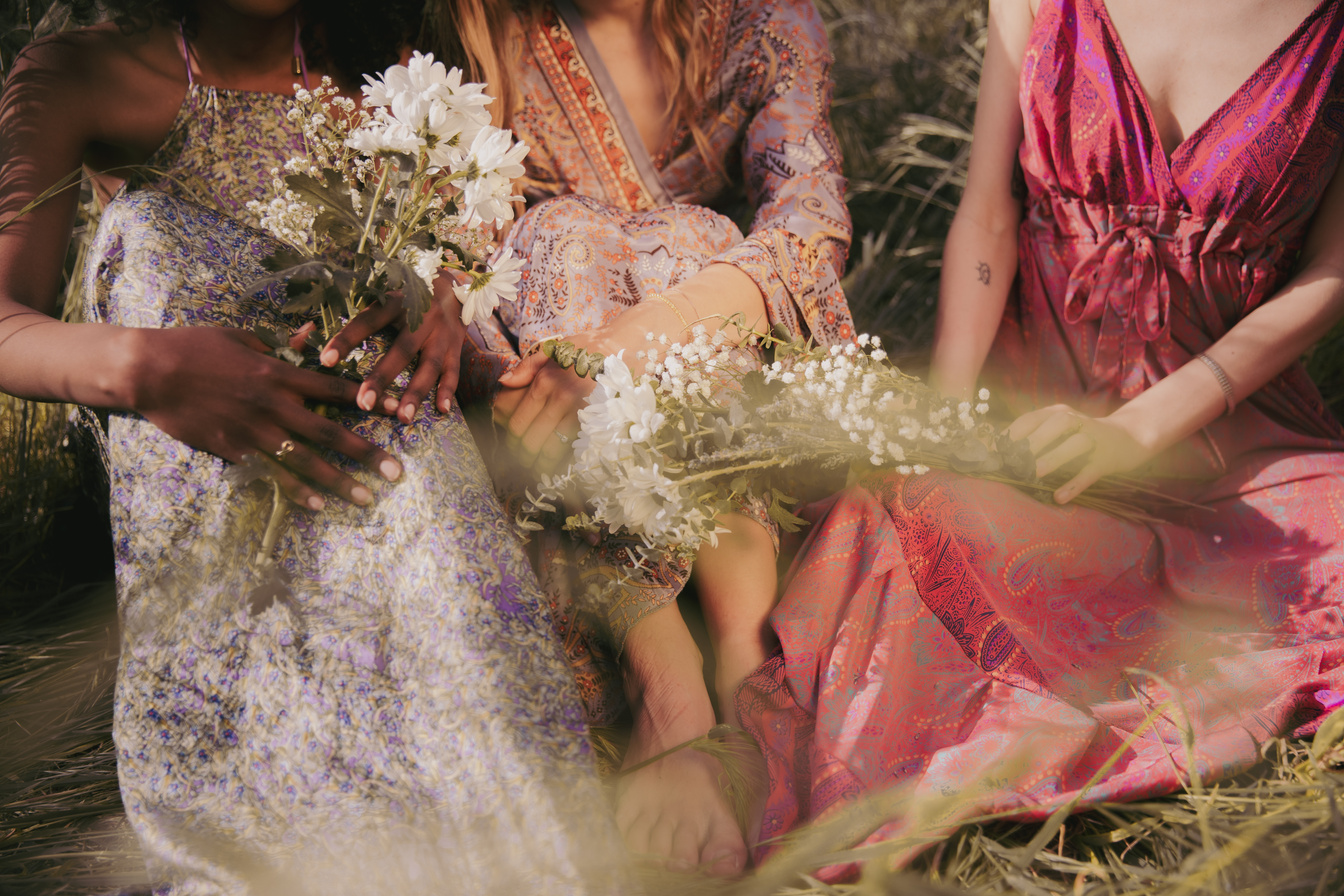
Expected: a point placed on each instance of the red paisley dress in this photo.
(989, 653)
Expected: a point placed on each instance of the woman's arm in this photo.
(980, 257)
(794, 252)
(785, 273)
(78, 95)
(1257, 349)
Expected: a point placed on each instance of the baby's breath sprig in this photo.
(708, 424)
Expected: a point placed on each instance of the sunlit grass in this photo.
(905, 84)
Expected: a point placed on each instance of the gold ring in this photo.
(564, 439)
(286, 447)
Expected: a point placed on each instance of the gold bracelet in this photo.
(659, 297)
(1223, 382)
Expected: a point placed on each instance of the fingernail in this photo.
(407, 413)
(390, 405)
(330, 357)
(361, 495)
(390, 469)
(316, 503)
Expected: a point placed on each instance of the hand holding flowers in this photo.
(664, 454)
(383, 201)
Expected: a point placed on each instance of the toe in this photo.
(724, 853)
(685, 852)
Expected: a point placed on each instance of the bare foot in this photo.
(675, 809)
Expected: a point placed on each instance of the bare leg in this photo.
(674, 808)
(737, 582)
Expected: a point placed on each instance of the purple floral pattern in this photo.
(406, 715)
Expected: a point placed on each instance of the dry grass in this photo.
(1276, 831)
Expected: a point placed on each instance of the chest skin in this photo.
(1186, 80)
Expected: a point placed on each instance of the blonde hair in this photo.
(481, 35)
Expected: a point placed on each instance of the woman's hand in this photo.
(1058, 435)
(436, 343)
(539, 407)
(221, 391)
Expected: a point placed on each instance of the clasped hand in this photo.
(221, 390)
(436, 345)
(539, 405)
(1058, 436)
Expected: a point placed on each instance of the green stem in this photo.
(378, 195)
(273, 525)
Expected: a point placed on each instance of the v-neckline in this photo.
(634, 141)
(1182, 150)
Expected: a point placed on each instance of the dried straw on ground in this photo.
(905, 76)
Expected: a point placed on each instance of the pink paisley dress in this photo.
(611, 223)
(954, 641)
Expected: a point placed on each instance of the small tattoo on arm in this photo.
(982, 273)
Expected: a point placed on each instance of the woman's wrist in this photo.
(1172, 409)
(130, 378)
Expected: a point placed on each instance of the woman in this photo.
(1179, 246)
(403, 715)
(640, 115)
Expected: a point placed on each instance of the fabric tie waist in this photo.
(1123, 285)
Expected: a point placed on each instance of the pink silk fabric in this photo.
(964, 649)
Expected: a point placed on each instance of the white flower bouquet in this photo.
(661, 454)
(384, 199)
(388, 196)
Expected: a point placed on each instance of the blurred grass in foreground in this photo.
(905, 85)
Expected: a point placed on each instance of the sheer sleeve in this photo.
(800, 233)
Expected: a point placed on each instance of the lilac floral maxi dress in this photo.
(612, 224)
(407, 720)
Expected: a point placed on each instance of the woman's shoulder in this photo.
(99, 57)
(111, 81)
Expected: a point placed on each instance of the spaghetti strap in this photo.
(300, 61)
(186, 53)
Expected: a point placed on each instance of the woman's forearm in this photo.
(1260, 347)
(50, 360)
(710, 298)
(979, 264)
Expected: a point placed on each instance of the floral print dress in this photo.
(612, 224)
(404, 718)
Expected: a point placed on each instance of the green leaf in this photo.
(678, 442)
(336, 226)
(780, 513)
(415, 294)
(424, 240)
(283, 258)
(272, 338)
(1327, 747)
(304, 295)
(974, 456)
(332, 195)
(722, 433)
(466, 258)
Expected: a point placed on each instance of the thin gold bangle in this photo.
(659, 297)
(1223, 382)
